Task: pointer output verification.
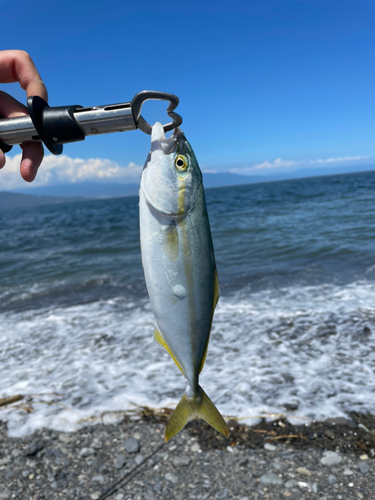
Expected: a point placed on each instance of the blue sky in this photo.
(264, 86)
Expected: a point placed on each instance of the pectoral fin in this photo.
(200, 406)
(160, 340)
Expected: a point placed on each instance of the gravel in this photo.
(105, 462)
(330, 458)
(271, 479)
(303, 471)
(120, 461)
(86, 452)
(33, 449)
(182, 461)
(332, 479)
(348, 472)
(363, 467)
(270, 447)
(132, 445)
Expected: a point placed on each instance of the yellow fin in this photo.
(216, 298)
(204, 358)
(216, 290)
(200, 406)
(160, 340)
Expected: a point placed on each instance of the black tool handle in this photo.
(55, 125)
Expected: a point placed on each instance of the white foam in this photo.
(310, 346)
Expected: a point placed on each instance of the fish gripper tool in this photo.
(55, 126)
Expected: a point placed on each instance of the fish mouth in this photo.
(170, 145)
(160, 142)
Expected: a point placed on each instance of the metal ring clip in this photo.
(146, 95)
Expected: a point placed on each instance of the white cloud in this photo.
(280, 165)
(63, 170)
(277, 164)
(341, 160)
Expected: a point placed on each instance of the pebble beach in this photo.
(129, 460)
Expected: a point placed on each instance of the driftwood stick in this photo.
(287, 436)
(11, 399)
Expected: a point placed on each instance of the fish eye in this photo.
(181, 163)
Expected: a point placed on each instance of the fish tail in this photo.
(200, 405)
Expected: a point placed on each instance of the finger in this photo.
(10, 107)
(32, 152)
(2, 159)
(32, 157)
(17, 66)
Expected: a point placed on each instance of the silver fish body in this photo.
(179, 266)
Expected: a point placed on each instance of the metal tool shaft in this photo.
(60, 125)
(96, 120)
(17, 130)
(105, 119)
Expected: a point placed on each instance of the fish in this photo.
(179, 267)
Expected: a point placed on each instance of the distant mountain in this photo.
(111, 190)
(323, 171)
(299, 174)
(228, 179)
(13, 200)
(84, 189)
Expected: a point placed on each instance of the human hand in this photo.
(17, 66)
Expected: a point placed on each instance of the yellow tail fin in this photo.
(200, 406)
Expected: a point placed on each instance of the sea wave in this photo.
(304, 350)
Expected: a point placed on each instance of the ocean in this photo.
(293, 332)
